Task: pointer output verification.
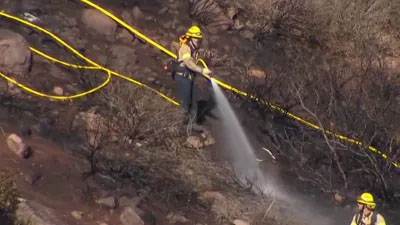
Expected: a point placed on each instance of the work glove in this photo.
(207, 71)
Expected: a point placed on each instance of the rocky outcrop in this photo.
(209, 13)
(36, 214)
(15, 56)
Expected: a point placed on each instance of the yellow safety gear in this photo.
(367, 199)
(194, 31)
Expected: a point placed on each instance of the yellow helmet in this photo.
(194, 31)
(367, 199)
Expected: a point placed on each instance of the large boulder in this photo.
(98, 22)
(15, 56)
(209, 13)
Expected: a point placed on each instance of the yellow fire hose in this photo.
(168, 52)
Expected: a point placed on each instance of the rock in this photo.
(176, 218)
(163, 10)
(209, 141)
(74, 37)
(125, 36)
(137, 13)
(130, 217)
(16, 144)
(32, 177)
(105, 181)
(122, 56)
(189, 172)
(34, 213)
(126, 202)
(151, 79)
(247, 34)
(127, 17)
(15, 56)
(77, 215)
(94, 125)
(109, 202)
(213, 196)
(240, 222)
(256, 72)
(58, 91)
(13, 89)
(103, 224)
(194, 142)
(338, 197)
(98, 22)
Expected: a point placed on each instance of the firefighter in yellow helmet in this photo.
(186, 71)
(366, 214)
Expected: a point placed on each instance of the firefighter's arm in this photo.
(186, 56)
(380, 220)
(353, 222)
(191, 64)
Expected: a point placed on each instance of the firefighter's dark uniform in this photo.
(185, 76)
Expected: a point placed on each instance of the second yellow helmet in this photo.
(367, 199)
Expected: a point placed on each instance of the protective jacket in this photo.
(373, 218)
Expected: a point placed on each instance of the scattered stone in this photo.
(103, 224)
(209, 141)
(247, 34)
(176, 218)
(126, 202)
(32, 177)
(58, 91)
(213, 195)
(163, 10)
(256, 72)
(16, 144)
(99, 22)
(151, 79)
(109, 202)
(189, 172)
(105, 181)
(240, 222)
(137, 13)
(35, 213)
(15, 56)
(194, 142)
(122, 56)
(127, 17)
(77, 215)
(130, 217)
(95, 127)
(13, 89)
(125, 36)
(138, 144)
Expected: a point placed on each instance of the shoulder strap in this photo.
(358, 219)
(374, 218)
